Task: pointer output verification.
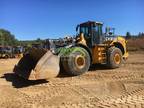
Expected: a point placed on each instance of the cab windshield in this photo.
(84, 30)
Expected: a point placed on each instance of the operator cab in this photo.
(92, 32)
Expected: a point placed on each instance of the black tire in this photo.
(114, 57)
(6, 56)
(76, 63)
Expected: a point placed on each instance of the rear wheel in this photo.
(77, 62)
(114, 57)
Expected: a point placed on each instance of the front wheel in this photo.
(77, 62)
(114, 57)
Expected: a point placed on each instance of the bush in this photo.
(136, 44)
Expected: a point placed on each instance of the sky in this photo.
(32, 19)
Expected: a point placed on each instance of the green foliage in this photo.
(30, 43)
(128, 35)
(6, 38)
(141, 35)
(67, 51)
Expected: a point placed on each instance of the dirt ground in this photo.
(98, 88)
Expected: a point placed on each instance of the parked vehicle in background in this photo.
(11, 51)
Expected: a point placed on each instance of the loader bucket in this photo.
(38, 64)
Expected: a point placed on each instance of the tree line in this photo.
(8, 39)
(130, 36)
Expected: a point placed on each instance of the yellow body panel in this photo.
(81, 39)
(123, 42)
(99, 51)
(98, 54)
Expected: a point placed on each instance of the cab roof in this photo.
(91, 22)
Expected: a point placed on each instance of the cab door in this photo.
(96, 34)
(86, 30)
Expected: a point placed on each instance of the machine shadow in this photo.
(94, 67)
(19, 82)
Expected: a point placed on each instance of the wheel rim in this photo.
(117, 58)
(80, 61)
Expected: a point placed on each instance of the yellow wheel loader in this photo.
(91, 46)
